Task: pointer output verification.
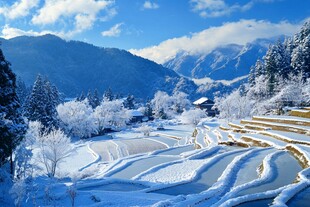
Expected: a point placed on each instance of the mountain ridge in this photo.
(75, 66)
(225, 62)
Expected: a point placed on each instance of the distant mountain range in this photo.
(227, 62)
(76, 66)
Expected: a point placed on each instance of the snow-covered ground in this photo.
(184, 165)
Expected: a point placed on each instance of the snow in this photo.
(265, 139)
(181, 171)
(288, 136)
(135, 113)
(200, 101)
(279, 124)
(129, 169)
(85, 157)
(114, 149)
(293, 189)
(283, 118)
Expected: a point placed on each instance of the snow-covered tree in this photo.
(111, 114)
(180, 102)
(301, 57)
(18, 192)
(23, 154)
(256, 71)
(292, 90)
(54, 147)
(161, 104)
(165, 106)
(234, 106)
(42, 103)
(81, 97)
(145, 129)
(108, 94)
(96, 100)
(129, 102)
(22, 91)
(12, 126)
(93, 98)
(78, 118)
(148, 111)
(193, 116)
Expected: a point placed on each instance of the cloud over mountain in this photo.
(240, 32)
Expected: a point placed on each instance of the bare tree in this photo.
(54, 147)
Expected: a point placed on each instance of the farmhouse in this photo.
(206, 104)
(137, 116)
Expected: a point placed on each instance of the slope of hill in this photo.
(223, 63)
(76, 66)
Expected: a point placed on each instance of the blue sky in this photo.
(155, 29)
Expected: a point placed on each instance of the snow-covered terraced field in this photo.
(114, 149)
(212, 164)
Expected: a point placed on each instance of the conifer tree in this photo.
(81, 97)
(96, 99)
(42, 104)
(21, 91)
(89, 97)
(12, 126)
(108, 94)
(148, 109)
(129, 103)
(301, 57)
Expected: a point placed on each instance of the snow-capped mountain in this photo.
(227, 62)
(76, 66)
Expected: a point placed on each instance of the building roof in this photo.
(201, 101)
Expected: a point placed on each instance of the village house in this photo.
(206, 104)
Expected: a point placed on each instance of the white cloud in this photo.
(84, 12)
(18, 9)
(111, 12)
(240, 32)
(11, 32)
(150, 5)
(84, 21)
(113, 31)
(217, 8)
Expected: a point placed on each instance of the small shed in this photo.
(137, 116)
(205, 104)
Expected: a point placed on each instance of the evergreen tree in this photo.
(53, 100)
(256, 71)
(108, 94)
(284, 60)
(81, 97)
(93, 98)
(301, 58)
(96, 99)
(129, 103)
(42, 104)
(148, 110)
(89, 97)
(12, 126)
(22, 91)
(35, 108)
(277, 63)
(251, 78)
(304, 32)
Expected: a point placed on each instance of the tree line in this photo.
(281, 78)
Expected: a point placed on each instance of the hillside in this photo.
(76, 66)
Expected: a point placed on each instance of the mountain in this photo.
(226, 62)
(77, 66)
